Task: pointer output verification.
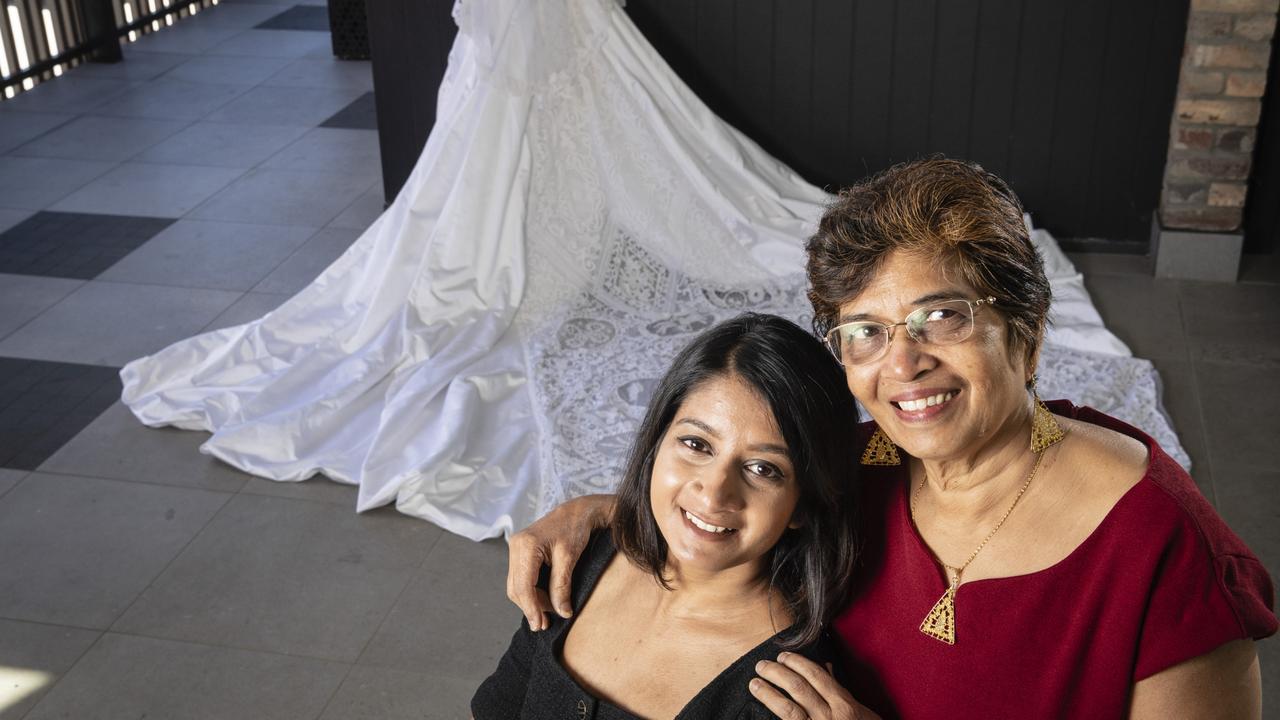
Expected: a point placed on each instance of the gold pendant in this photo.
(940, 623)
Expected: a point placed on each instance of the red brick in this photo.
(1193, 138)
(1213, 167)
(1221, 219)
(1246, 84)
(1235, 6)
(1209, 25)
(1227, 194)
(1236, 139)
(1200, 82)
(1186, 193)
(1219, 112)
(1243, 56)
(1259, 28)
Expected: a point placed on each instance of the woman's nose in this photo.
(719, 488)
(905, 358)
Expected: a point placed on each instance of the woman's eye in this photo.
(938, 314)
(695, 444)
(764, 470)
(862, 332)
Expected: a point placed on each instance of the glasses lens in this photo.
(857, 343)
(942, 323)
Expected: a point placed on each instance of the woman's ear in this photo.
(797, 521)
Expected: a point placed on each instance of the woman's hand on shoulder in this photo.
(1223, 683)
(556, 539)
(797, 688)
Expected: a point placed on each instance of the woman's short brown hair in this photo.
(941, 210)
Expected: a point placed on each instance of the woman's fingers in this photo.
(776, 702)
(797, 687)
(803, 699)
(524, 562)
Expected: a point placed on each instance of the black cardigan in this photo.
(530, 683)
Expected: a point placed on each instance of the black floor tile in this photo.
(45, 404)
(73, 245)
(361, 114)
(298, 17)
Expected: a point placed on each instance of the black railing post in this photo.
(100, 22)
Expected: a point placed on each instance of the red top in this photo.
(1161, 580)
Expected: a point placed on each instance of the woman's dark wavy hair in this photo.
(791, 371)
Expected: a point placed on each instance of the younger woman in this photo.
(734, 530)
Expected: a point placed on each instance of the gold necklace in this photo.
(940, 623)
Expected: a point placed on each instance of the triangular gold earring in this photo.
(880, 450)
(1045, 430)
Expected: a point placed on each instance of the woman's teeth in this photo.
(924, 402)
(705, 526)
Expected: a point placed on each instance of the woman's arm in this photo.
(1224, 683)
(556, 539)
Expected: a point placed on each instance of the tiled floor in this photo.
(225, 163)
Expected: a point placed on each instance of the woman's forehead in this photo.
(904, 282)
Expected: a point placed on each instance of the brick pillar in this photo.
(1223, 77)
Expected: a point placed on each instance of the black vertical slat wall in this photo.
(1070, 100)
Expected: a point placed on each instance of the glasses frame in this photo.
(890, 329)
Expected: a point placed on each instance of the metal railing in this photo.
(41, 39)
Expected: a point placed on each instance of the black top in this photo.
(530, 682)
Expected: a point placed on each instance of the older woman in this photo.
(1020, 559)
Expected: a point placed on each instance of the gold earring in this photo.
(880, 450)
(1045, 430)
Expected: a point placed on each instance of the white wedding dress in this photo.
(486, 348)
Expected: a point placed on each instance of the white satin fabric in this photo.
(486, 348)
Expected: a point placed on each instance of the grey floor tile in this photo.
(285, 197)
(325, 72)
(273, 43)
(1240, 434)
(287, 576)
(32, 658)
(207, 254)
(10, 218)
(1232, 322)
(94, 137)
(228, 69)
(1181, 401)
(309, 261)
(222, 145)
(44, 404)
(1249, 500)
(36, 183)
(299, 18)
(78, 246)
(249, 307)
(360, 214)
(78, 551)
(71, 93)
(317, 489)
(19, 128)
(168, 191)
(326, 149)
(239, 17)
(117, 446)
(361, 114)
(112, 324)
(23, 297)
(9, 479)
(172, 99)
(184, 39)
(135, 677)
(386, 694)
(136, 66)
(454, 620)
(304, 106)
(1269, 655)
(1141, 311)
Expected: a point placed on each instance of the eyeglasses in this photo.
(946, 322)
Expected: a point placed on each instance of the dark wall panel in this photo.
(1070, 100)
